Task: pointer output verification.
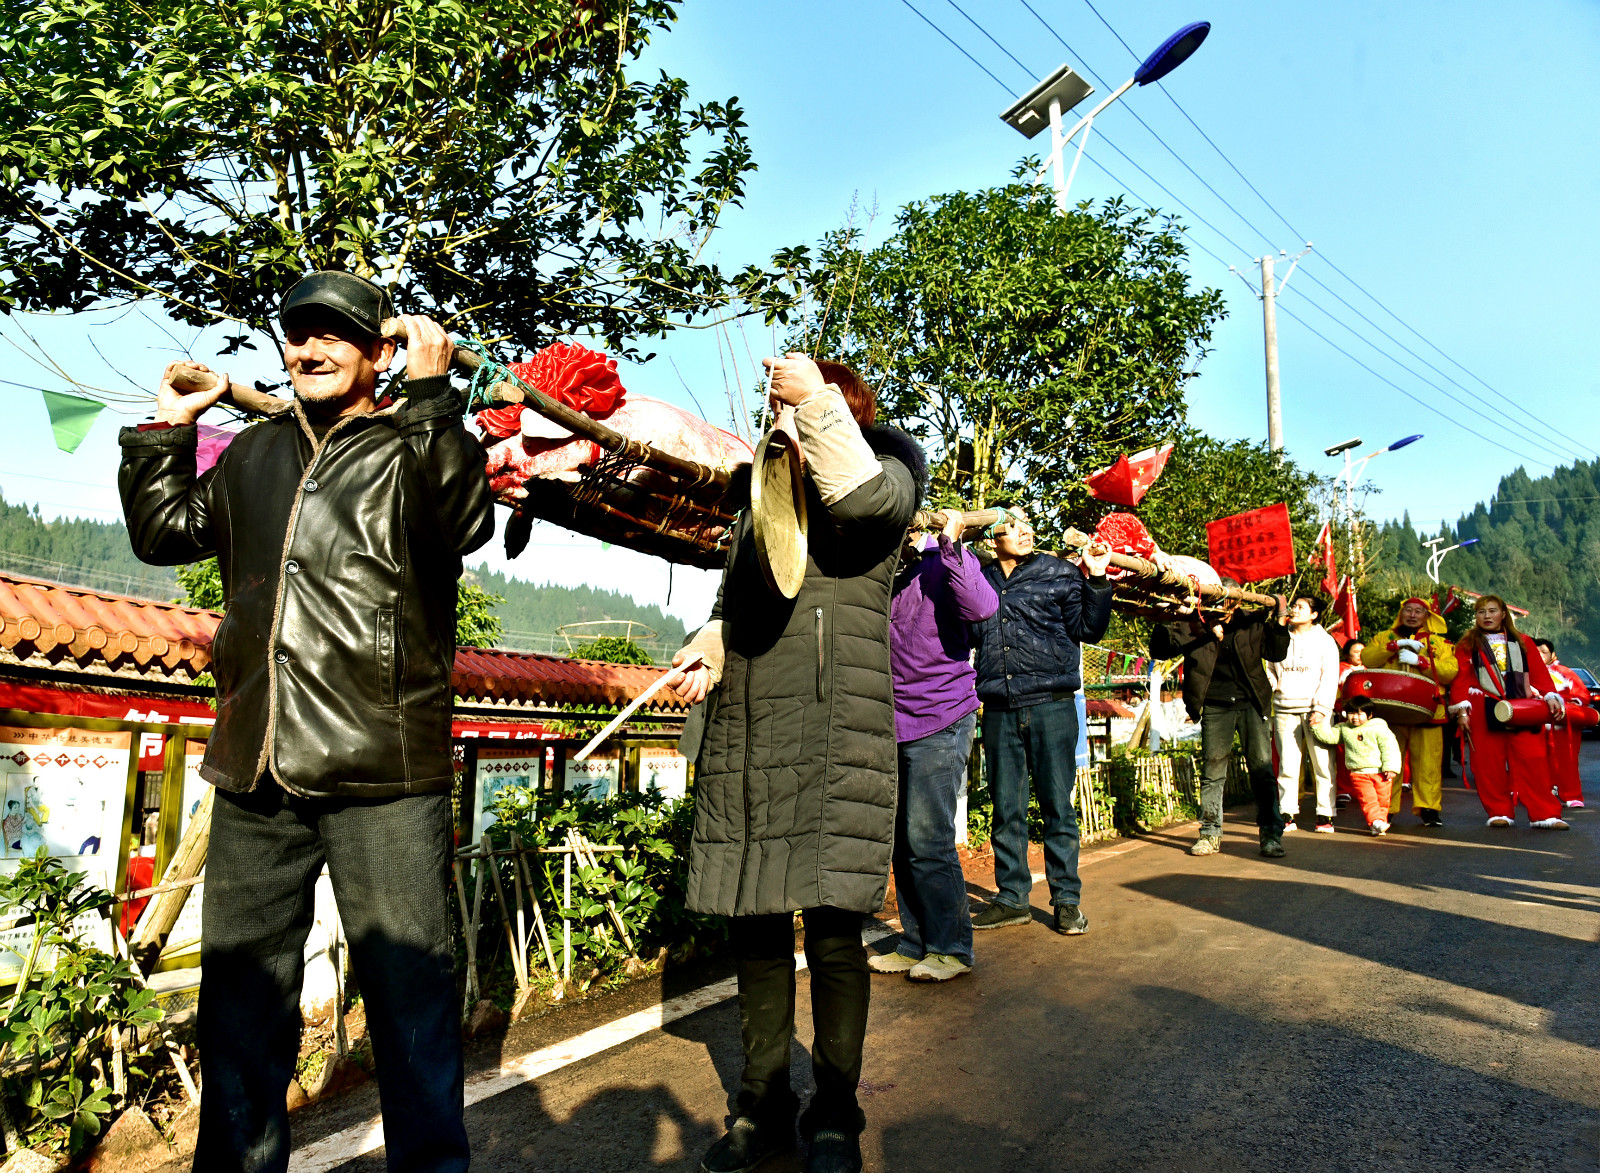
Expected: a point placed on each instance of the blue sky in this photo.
(1440, 154)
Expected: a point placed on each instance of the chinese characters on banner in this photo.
(1253, 545)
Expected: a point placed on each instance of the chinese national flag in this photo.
(1253, 545)
(1330, 575)
(1129, 479)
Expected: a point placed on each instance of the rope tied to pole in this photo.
(485, 375)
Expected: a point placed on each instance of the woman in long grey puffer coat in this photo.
(795, 765)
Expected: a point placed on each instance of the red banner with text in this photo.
(1253, 545)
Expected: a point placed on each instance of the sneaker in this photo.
(1380, 828)
(890, 962)
(1272, 848)
(1552, 825)
(1289, 825)
(1001, 916)
(1430, 818)
(1324, 825)
(1070, 921)
(1343, 800)
(834, 1152)
(937, 967)
(1499, 821)
(1574, 804)
(1206, 845)
(746, 1146)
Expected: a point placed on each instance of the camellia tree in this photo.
(1027, 349)
(502, 166)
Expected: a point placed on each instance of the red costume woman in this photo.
(1509, 764)
(1565, 737)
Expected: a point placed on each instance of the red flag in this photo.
(1253, 545)
(1129, 479)
(1344, 605)
(1330, 573)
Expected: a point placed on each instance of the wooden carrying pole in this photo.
(161, 914)
(508, 390)
(982, 519)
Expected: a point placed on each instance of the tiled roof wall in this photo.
(44, 624)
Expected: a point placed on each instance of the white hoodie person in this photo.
(1305, 688)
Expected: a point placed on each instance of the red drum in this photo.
(1400, 698)
(1582, 716)
(1522, 713)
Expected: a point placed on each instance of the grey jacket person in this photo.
(796, 769)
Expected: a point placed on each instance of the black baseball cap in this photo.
(355, 299)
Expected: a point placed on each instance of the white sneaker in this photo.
(938, 967)
(1499, 821)
(890, 962)
(1380, 828)
(1551, 825)
(1574, 804)
(1289, 825)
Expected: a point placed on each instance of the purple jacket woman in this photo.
(938, 593)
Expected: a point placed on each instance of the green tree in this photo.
(477, 626)
(202, 585)
(496, 164)
(613, 649)
(1025, 348)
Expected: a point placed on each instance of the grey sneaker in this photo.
(938, 967)
(890, 962)
(1001, 916)
(1070, 921)
(1272, 848)
(1206, 845)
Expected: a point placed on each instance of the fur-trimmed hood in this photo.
(901, 446)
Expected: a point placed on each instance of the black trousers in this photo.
(388, 860)
(764, 950)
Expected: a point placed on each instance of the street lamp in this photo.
(1352, 473)
(1436, 555)
(1170, 54)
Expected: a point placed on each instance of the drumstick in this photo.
(693, 661)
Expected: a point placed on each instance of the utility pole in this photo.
(1269, 315)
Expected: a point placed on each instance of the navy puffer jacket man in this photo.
(1028, 672)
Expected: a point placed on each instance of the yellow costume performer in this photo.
(1419, 631)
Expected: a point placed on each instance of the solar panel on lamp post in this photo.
(1028, 113)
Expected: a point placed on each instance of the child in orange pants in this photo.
(1371, 754)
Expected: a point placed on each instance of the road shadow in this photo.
(1165, 1080)
(1509, 961)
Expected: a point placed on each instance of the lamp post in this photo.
(1436, 555)
(1063, 89)
(1352, 473)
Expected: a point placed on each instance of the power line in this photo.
(959, 49)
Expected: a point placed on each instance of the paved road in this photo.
(1428, 1001)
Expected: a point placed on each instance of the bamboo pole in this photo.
(533, 898)
(505, 918)
(469, 934)
(505, 391)
(588, 860)
(161, 914)
(982, 519)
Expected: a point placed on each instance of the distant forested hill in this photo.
(93, 554)
(1538, 546)
(531, 608)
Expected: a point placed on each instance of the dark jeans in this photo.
(928, 882)
(764, 951)
(1217, 726)
(1043, 740)
(388, 860)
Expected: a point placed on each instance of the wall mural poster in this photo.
(500, 767)
(66, 790)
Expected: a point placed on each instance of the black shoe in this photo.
(1430, 818)
(1272, 848)
(1000, 916)
(834, 1152)
(746, 1146)
(1070, 922)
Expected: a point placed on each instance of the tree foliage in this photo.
(613, 649)
(1025, 348)
(499, 165)
(477, 626)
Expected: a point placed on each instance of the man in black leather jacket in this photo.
(1225, 688)
(339, 526)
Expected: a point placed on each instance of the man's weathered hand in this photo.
(1096, 556)
(428, 347)
(795, 378)
(692, 685)
(174, 407)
